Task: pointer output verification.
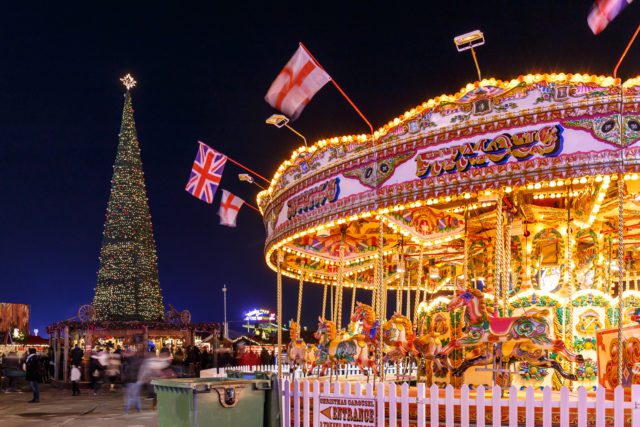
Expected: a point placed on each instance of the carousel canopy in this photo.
(548, 148)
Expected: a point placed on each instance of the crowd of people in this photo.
(131, 369)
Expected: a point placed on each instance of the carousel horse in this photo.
(429, 345)
(370, 326)
(398, 339)
(531, 329)
(311, 354)
(335, 352)
(296, 350)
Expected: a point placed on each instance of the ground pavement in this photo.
(58, 408)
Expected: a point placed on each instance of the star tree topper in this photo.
(128, 81)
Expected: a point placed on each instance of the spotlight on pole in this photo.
(469, 41)
(278, 120)
(245, 177)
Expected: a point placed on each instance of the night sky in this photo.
(203, 71)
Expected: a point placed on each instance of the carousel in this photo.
(489, 237)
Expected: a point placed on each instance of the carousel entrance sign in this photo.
(347, 411)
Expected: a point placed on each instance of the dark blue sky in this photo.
(203, 70)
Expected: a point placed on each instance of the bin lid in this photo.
(201, 384)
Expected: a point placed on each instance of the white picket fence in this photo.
(343, 372)
(435, 407)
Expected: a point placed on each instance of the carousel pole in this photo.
(300, 285)
(280, 256)
(400, 287)
(353, 298)
(465, 256)
(332, 303)
(571, 273)
(418, 286)
(379, 302)
(620, 268)
(506, 265)
(338, 303)
(324, 301)
(498, 255)
(408, 305)
(374, 288)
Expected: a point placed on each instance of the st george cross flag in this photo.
(603, 12)
(206, 173)
(296, 84)
(229, 207)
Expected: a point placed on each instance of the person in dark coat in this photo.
(34, 376)
(76, 355)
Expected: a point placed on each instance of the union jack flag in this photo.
(206, 173)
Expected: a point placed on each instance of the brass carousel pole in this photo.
(324, 301)
(506, 265)
(571, 274)
(620, 268)
(408, 298)
(374, 288)
(498, 254)
(280, 256)
(338, 304)
(418, 287)
(379, 298)
(332, 312)
(353, 298)
(300, 285)
(400, 287)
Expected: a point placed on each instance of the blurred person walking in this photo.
(131, 364)
(34, 375)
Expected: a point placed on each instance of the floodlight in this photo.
(469, 40)
(245, 177)
(277, 120)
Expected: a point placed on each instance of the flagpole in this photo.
(342, 92)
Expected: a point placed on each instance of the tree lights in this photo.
(128, 287)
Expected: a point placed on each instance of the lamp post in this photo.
(469, 41)
(278, 120)
(226, 325)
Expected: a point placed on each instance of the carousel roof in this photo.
(547, 146)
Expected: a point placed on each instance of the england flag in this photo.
(229, 207)
(603, 12)
(296, 84)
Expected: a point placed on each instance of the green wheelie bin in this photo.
(196, 402)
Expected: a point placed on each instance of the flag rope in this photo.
(342, 92)
(237, 163)
(633, 38)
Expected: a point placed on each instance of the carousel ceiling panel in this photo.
(427, 225)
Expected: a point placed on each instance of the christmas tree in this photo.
(128, 287)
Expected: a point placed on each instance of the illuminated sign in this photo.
(260, 315)
(347, 411)
(545, 142)
(314, 198)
